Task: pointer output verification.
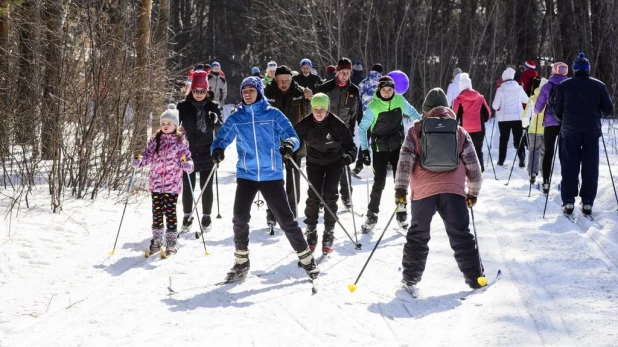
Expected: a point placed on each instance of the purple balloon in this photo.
(401, 81)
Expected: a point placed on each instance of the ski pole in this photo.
(516, 154)
(217, 185)
(357, 245)
(482, 280)
(212, 171)
(490, 159)
(124, 210)
(352, 287)
(609, 166)
(295, 196)
(197, 214)
(347, 173)
(259, 202)
(551, 173)
(533, 156)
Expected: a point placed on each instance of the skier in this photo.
(534, 123)
(453, 88)
(472, 113)
(357, 73)
(527, 76)
(168, 155)
(270, 73)
(255, 71)
(384, 117)
(509, 104)
(344, 99)
(331, 72)
(306, 79)
(439, 191)
(581, 101)
(367, 90)
(201, 119)
(217, 83)
(330, 146)
(293, 101)
(551, 126)
(264, 135)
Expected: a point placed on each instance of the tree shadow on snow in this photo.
(404, 306)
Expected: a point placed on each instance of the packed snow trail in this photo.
(59, 286)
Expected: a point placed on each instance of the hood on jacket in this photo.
(557, 79)
(374, 75)
(538, 89)
(510, 85)
(464, 81)
(508, 74)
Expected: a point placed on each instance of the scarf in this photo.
(202, 122)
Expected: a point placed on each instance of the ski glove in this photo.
(287, 150)
(213, 117)
(470, 200)
(366, 157)
(401, 196)
(346, 159)
(218, 155)
(136, 161)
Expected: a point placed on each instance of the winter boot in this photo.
(402, 220)
(568, 208)
(240, 269)
(356, 171)
(328, 238)
(307, 261)
(370, 222)
(170, 240)
(312, 237)
(186, 224)
(206, 223)
(587, 209)
(156, 242)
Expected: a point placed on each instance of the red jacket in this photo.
(526, 78)
(472, 110)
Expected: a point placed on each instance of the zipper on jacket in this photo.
(272, 160)
(257, 153)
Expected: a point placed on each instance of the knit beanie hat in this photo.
(199, 67)
(255, 70)
(377, 68)
(559, 68)
(581, 63)
(215, 64)
(530, 64)
(465, 82)
(434, 98)
(254, 82)
(344, 63)
(508, 74)
(200, 80)
(283, 70)
(456, 72)
(306, 62)
(271, 66)
(330, 69)
(171, 114)
(320, 100)
(358, 66)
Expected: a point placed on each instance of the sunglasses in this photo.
(198, 91)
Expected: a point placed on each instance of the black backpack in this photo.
(439, 144)
(551, 100)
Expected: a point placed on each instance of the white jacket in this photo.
(453, 90)
(509, 101)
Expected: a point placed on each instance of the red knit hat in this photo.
(200, 80)
(530, 64)
(330, 69)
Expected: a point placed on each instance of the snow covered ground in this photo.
(60, 287)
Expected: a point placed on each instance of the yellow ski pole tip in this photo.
(111, 253)
(352, 288)
(482, 281)
(206, 253)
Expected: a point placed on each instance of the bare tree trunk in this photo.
(5, 125)
(143, 47)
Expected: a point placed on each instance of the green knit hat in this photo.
(320, 100)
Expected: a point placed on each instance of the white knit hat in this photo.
(508, 74)
(170, 114)
(465, 82)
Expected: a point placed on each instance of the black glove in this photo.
(401, 196)
(470, 200)
(287, 150)
(213, 118)
(218, 155)
(366, 157)
(346, 159)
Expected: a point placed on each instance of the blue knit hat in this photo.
(255, 69)
(581, 63)
(254, 82)
(306, 62)
(215, 63)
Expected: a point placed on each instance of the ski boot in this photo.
(402, 217)
(587, 209)
(532, 179)
(347, 202)
(568, 208)
(356, 172)
(187, 221)
(545, 187)
(239, 271)
(170, 240)
(312, 237)
(308, 263)
(271, 222)
(328, 238)
(156, 242)
(206, 226)
(370, 222)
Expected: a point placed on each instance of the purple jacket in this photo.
(166, 166)
(549, 120)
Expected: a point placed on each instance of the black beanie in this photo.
(377, 68)
(434, 98)
(283, 70)
(344, 63)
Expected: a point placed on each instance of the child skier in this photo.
(168, 155)
(330, 147)
(534, 122)
(263, 136)
(384, 117)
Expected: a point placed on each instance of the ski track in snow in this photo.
(59, 286)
